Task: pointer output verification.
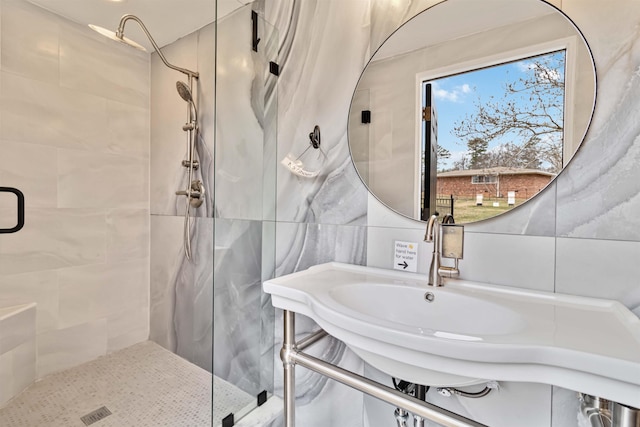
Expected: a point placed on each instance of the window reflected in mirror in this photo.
(481, 101)
(492, 136)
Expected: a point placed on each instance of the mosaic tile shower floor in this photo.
(142, 385)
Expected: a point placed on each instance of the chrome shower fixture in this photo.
(119, 36)
(113, 36)
(185, 93)
(195, 190)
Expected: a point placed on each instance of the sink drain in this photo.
(429, 297)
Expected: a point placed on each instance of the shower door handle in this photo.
(20, 197)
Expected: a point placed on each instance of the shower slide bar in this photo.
(292, 355)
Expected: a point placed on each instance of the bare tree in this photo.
(530, 113)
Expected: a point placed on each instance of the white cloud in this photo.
(454, 95)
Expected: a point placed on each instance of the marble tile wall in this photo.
(587, 216)
(74, 137)
(181, 311)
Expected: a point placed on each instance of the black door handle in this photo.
(20, 197)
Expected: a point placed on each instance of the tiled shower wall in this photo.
(74, 137)
(211, 310)
(182, 291)
(566, 240)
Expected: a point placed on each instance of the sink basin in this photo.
(445, 313)
(467, 332)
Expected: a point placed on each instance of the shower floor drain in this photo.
(95, 416)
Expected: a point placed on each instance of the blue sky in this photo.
(455, 97)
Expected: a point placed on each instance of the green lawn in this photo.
(465, 210)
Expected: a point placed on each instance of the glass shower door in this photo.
(244, 200)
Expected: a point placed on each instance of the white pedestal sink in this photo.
(465, 332)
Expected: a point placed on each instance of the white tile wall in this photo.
(65, 348)
(54, 238)
(29, 42)
(18, 325)
(17, 349)
(127, 234)
(24, 365)
(40, 287)
(34, 170)
(74, 137)
(99, 291)
(127, 130)
(90, 180)
(94, 64)
(47, 114)
(6, 377)
(510, 260)
(599, 268)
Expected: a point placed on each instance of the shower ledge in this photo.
(17, 349)
(470, 332)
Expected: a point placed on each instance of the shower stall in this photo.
(149, 222)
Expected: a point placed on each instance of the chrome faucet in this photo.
(433, 234)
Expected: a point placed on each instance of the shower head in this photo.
(114, 36)
(184, 91)
(119, 36)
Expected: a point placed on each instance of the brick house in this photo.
(493, 182)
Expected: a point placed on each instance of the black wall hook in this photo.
(315, 137)
(254, 28)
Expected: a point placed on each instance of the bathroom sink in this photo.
(451, 314)
(467, 332)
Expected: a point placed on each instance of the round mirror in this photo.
(471, 108)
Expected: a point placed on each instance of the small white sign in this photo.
(405, 256)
